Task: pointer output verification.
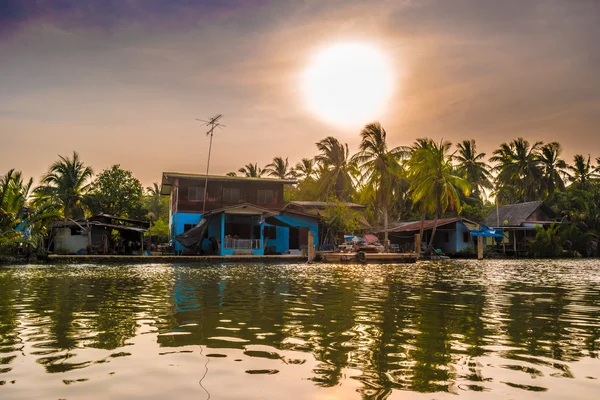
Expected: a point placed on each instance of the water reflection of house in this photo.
(241, 215)
(452, 235)
(518, 222)
(100, 234)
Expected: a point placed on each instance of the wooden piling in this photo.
(312, 251)
(480, 247)
(418, 246)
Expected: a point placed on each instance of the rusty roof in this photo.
(166, 184)
(427, 224)
(516, 214)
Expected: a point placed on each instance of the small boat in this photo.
(361, 257)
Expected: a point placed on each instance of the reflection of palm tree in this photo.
(251, 170)
(470, 166)
(380, 166)
(334, 159)
(434, 183)
(279, 168)
(67, 183)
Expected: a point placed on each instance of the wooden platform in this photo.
(100, 258)
(369, 257)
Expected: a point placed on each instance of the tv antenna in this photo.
(213, 123)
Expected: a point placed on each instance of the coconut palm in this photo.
(336, 168)
(435, 185)
(470, 166)
(305, 169)
(597, 167)
(154, 198)
(279, 168)
(380, 166)
(18, 221)
(581, 173)
(553, 168)
(518, 168)
(67, 183)
(251, 170)
(13, 196)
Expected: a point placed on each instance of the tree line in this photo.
(431, 179)
(428, 179)
(70, 191)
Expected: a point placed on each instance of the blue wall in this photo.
(178, 220)
(282, 243)
(215, 228)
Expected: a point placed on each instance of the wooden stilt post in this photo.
(312, 251)
(418, 245)
(480, 247)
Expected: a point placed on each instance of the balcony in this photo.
(241, 244)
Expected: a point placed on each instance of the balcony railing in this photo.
(241, 244)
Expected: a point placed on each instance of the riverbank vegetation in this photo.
(426, 179)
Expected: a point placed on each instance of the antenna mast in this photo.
(213, 123)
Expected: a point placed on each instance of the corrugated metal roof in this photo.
(323, 204)
(515, 214)
(427, 224)
(244, 208)
(166, 184)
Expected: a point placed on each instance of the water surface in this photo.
(493, 329)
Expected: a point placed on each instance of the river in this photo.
(491, 329)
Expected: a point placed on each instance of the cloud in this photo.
(119, 80)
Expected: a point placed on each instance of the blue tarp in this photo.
(488, 232)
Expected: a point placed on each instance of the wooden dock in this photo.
(326, 257)
(369, 258)
(157, 259)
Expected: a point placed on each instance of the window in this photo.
(265, 197)
(466, 237)
(270, 232)
(187, 227)
(196, 193)
(446, 237)
(231, 195)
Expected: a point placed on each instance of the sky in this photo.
(123, 81)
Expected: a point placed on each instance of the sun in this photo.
(348, 83)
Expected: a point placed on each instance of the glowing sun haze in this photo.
(122, 82)
(348, 83)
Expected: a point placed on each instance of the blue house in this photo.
(452, 235)
(225, 215)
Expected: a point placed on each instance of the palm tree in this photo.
(279, 168)
(470, 166)
(553, 168)
(336, 167)
(580, 173)
(67, 184)
(305, 169)
(519, 167)
(154, 198)
(13, 196)
(251, 170)
(597, 167)
(380, 166)
(434, 182)
(231, 174)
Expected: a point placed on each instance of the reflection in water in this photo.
(159, 331)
